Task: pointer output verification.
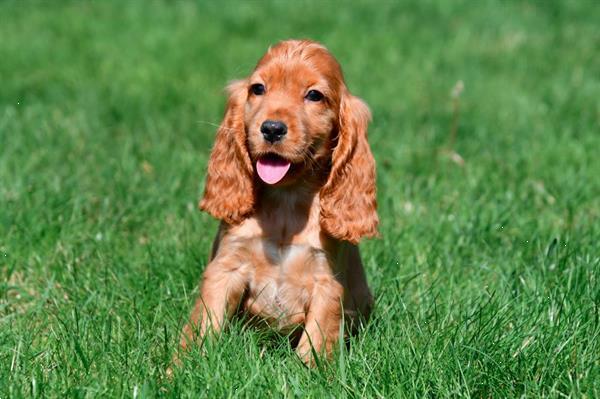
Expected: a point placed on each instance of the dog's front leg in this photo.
(323, 318)
(222, 287)
(223, 284)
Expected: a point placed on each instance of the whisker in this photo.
(208, 123)
(310, 160)
(229, 129)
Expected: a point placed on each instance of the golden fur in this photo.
(287, 253)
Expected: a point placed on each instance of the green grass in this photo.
(486, 276)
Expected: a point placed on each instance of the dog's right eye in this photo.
(257, 89)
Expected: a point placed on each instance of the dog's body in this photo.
(292, 179)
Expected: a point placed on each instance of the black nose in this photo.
(273, 130)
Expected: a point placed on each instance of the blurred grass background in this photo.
(486, 276)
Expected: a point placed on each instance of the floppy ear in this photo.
(229, 192)
(348, 199)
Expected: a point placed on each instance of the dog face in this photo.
(291, 111)
(294, 115)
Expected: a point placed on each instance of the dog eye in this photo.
(314, 95)
(257, 89)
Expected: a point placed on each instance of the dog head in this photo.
(291, 118)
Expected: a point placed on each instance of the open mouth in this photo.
(272, 168)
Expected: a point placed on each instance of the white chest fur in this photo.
(281, 281)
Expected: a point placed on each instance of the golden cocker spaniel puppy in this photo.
(291, 177)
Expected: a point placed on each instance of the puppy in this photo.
(291, 177)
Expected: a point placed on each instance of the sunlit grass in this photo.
(486, 275)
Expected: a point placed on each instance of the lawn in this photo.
(487, 274)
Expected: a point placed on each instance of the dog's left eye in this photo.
(257, 89)
(314, 95)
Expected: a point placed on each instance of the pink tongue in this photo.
(272, 170)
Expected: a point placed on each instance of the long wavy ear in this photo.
(229, 192)
(348, 198)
